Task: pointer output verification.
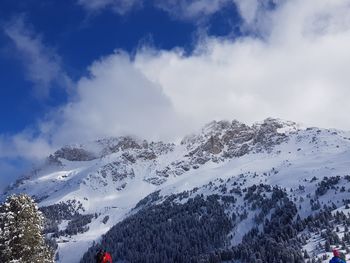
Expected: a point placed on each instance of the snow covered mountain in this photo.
(86, 189)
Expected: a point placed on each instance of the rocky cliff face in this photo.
(218, 141)
(224, 140)
(71, 153)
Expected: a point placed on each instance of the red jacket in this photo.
(106, 258)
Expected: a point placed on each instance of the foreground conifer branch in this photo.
(21, 238)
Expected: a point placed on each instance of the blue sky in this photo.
(78, 70)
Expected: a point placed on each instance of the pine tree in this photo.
(21, 238)
(327, 246)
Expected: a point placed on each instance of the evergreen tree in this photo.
(327, 246)
(21, 238)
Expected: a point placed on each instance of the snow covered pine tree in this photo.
(21, 238)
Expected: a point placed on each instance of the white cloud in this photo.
(116, 99)
(297, 72)
(18, 153)
(42, 64)
(247, 9)
(25, 145)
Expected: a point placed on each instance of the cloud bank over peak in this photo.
(116, 99)
(297, 71)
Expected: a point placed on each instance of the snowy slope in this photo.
(109, 177)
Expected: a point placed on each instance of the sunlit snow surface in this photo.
(307, 154)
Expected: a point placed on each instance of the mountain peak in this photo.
(106, 178)
(233, 139)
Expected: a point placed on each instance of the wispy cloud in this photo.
(25, 145)
(118, 6)
(192, 10)
(181, 9)
(42, 64)
(19, 152)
